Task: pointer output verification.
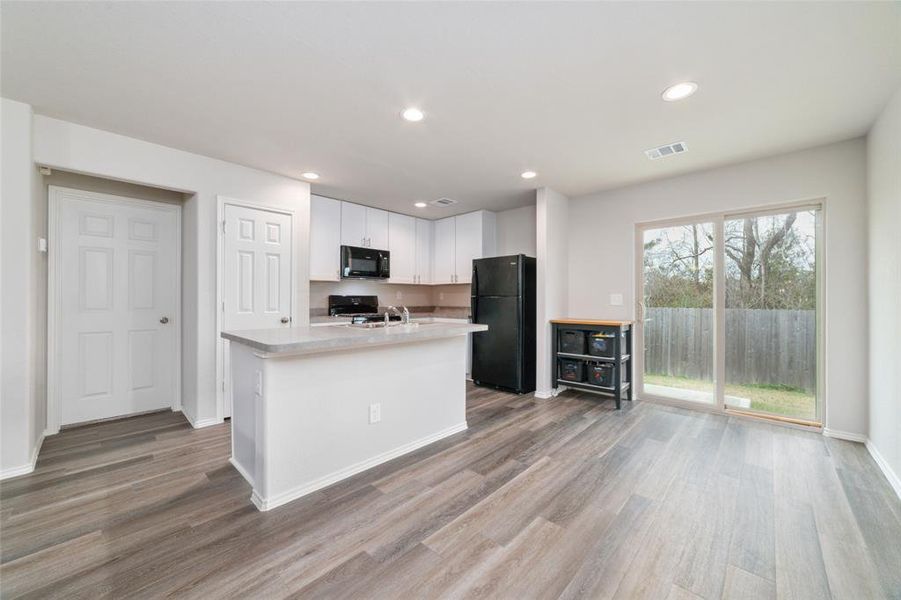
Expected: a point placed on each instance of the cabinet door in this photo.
(402, 244)
(325, 239)
(423, 251)
(353, 224)
(468, 244)
(377, 228)
(443, 261)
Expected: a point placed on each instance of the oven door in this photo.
(364, 263)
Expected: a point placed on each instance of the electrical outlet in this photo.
(399, 295)
(375, 413)
(616, 299)
(441, 295)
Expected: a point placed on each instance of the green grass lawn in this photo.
(781, 400)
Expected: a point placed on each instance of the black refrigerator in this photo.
(503, 298)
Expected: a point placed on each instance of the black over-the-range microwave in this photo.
(364, 263)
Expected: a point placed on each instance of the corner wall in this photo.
(884, 201)
(552, 225)
(602, 232)
(22, 278)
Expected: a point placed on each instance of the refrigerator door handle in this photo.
(475, 280)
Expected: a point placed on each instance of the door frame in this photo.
(55, 198)
(223, 391)
(719, 301)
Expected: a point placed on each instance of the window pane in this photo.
(678, 315)
(771, 292)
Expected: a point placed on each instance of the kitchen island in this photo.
(315, 405)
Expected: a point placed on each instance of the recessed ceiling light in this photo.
(413, 114)
(310, 175)
(529, 174)
(679, 91)
(420, 205)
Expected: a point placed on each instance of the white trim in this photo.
(544, 394)
(201, 423)
(845, 435)
(886, 468)
(26, 468)
(54, 198)
(221, 344)
(327, 480)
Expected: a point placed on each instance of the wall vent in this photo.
(443, 202)
(667, 150)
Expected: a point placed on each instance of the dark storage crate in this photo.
(601, 344)
(571, 341)
(601, 374)
(572, 370)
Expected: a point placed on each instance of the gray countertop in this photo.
(313, 340)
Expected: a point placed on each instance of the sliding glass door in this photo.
(728, 311)
(771, 309)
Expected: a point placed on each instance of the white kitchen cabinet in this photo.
(402, 245)
(423, 251)
(377, 228)
(459, 240)
(325, 239)
(444, 264)
(353, 224)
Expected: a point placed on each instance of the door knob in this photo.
(164, 320)
(285, 319)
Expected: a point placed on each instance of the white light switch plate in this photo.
(375, 413)
(616, 299)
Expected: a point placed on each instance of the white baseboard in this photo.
(26, 468)
(240, 469)
(200, 424)
(544, 395)
(886, 468)
(317, 484)
(845, 435)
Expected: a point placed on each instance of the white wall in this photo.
(602, 247)
(22, 281)
(516, 231)
(552, 258)
(884, 190)
(82, 149)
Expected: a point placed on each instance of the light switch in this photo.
(42, 245)
(616, 299)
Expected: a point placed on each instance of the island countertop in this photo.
(314, 340)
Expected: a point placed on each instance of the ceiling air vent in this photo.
(443, 202)
(667, 150)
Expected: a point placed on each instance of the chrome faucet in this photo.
(404, 316)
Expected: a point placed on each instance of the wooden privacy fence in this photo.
(776, 347)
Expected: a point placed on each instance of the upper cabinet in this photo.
(423, 251)
(363, 226)
(402, 245)
(459, 240)
(325, 239)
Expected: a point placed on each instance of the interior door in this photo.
(257, 280)
(258, 267)
(116, 342)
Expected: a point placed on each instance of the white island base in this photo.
(301, 411)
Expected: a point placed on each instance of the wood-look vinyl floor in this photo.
(560, 498)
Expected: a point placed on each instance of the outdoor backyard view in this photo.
(770, 313)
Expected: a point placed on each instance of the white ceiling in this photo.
(571, 90)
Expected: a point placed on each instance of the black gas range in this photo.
(360, 309)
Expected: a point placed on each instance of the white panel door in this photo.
(423, 251)
(469, 244)
(377, 229)
(444, 263)
(116, 295)
(325, 239)
(257, 269)
(353, 224)
(402, 245)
